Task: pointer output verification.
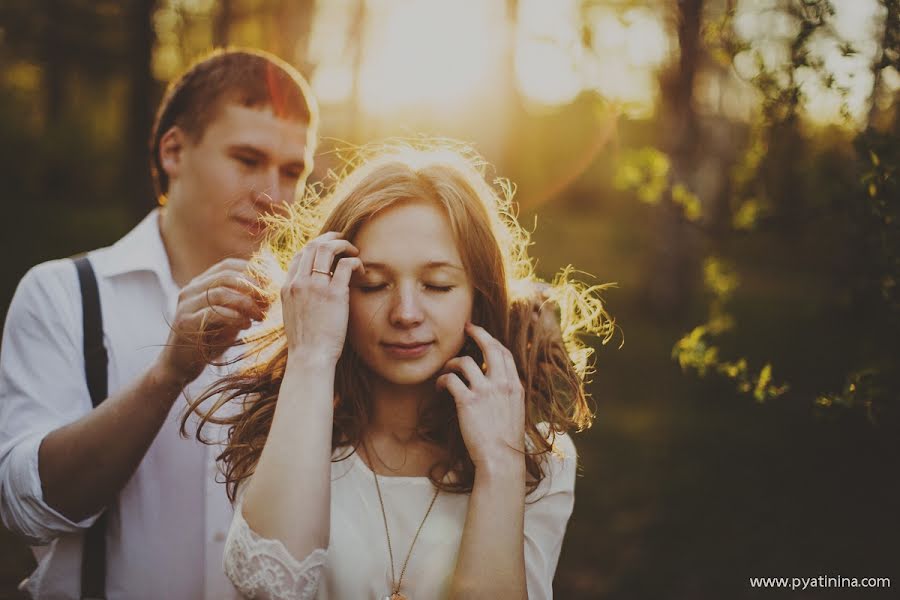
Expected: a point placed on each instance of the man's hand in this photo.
(212, 311)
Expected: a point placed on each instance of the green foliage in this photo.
(765, 183)
(644, 172)
(696, 352)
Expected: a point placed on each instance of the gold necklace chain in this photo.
(396, 583)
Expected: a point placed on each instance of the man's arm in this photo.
(84, 463)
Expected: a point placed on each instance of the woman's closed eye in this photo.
(374, 287)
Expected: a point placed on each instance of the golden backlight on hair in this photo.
(510, 303)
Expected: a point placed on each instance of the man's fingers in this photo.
(196, 293)
(225, 297)
(242, 281)
(214, 318)
(243, 302)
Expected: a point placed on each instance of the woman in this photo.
(403, 432)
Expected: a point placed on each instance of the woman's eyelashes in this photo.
(367, 288)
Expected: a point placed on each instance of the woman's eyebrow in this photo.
(432, 264)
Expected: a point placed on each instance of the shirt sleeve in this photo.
(42, 388)
(263, 568)
(547, 511)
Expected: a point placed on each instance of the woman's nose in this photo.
(406, 309)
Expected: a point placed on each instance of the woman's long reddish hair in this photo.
(539, 323)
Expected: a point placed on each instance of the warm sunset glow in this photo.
(432, 57)
(553, 66)
(547, 51)
(430, 53)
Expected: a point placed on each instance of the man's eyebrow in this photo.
(248, 149)
(432, 264)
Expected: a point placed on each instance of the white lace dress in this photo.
(356, 564)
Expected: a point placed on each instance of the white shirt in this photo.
(166, 534)
(356, 563)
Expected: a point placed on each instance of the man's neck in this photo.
(187, 257)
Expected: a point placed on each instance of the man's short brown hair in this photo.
(250, 78)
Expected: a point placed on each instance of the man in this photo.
(233, 139)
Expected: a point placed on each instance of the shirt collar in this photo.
(141, 249)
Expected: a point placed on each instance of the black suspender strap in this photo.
(95, 358)
(93, 558)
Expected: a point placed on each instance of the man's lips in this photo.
(252, 224)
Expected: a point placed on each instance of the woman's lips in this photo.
(407, 350)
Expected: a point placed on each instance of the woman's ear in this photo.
(171, 147)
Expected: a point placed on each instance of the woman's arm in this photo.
(491, 411)
(289, 497)
(263, 569)
(491, 561)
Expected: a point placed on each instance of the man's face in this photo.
(248, 162)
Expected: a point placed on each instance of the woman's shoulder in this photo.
(562, 448)
(559, 465)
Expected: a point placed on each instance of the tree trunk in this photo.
(222, 23)
(292, 23)
(887, 43)
(669, 281)
(53, 67)
(142, 97)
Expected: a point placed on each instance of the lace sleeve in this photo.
(263, 568)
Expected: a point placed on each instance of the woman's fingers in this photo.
(490, 348)
(344, 270)
(467, 366)
(453, 384)
(328, 250)
(294, 266)
(308, 254)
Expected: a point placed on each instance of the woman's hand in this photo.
(491, 407)
(316, 301)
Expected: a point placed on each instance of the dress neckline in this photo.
(354, 456)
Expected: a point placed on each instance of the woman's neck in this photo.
(396, 409)
(392, 445)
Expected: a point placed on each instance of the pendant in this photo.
(394, 596)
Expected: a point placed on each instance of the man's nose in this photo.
(406, 310)
(269, 194)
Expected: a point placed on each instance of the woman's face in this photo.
(408, 311)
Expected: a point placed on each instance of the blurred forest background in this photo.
(731, 164)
